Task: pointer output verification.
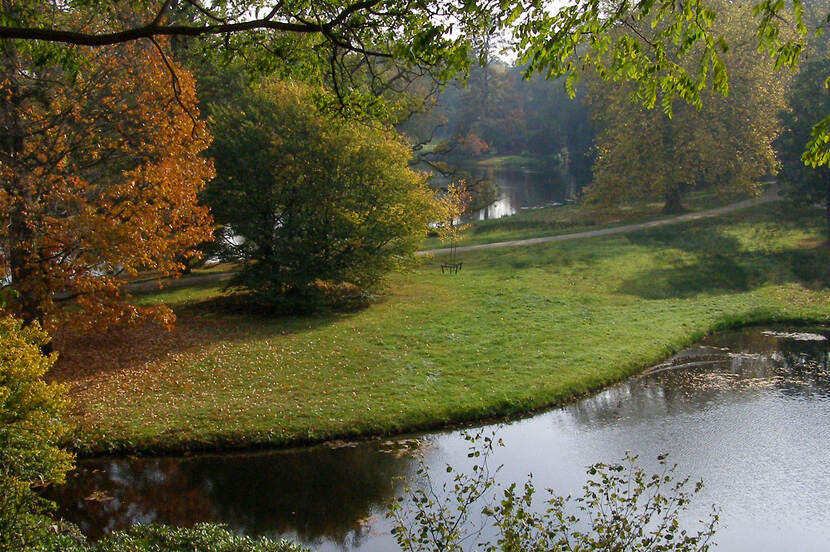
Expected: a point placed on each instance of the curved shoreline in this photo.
(524, 329)
(231, 442)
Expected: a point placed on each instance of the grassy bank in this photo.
(566, 219)
(515, 162)
(518, 329)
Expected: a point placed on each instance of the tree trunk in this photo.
(673, 204)
(20, 238)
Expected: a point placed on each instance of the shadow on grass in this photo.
(722, 265)
(711, 274)
(199, 324)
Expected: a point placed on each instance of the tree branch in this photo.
(156, 29)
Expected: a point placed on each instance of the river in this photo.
(748, 412)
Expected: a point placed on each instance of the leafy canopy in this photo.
(677, 56)
(100, 169)
(308, 200)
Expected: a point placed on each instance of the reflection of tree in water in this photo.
(106, 495)
(796, 368)
(314, 493)
(323, 494)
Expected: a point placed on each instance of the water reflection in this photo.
(517, 190)
(511, 191)
(312, 494)
(747, 412)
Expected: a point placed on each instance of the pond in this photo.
(746, 411)
(517, 190)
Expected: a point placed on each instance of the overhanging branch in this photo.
(156, 28)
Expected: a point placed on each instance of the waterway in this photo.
(513, 190)
(748, 412)
(517, 190)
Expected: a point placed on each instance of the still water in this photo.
(517, 190)
(748, 412)
(514, 190)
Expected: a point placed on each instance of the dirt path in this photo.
(770, 195)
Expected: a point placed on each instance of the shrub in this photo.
(623, 509)
(309, 202)
(204, 537)
(30, 428)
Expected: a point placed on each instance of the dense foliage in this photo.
(30, 428)
(726, 145)
(204, 537)
(100, 169)
(808, 99)
(311, 203)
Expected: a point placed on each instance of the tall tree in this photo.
(100, 169)
(726, 145)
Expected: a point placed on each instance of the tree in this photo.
(726, 145)
(678, 55)
(454, 203)
(30, 428)
(100, 170)
(308, 201)
(809, 99)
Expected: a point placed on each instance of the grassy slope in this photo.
(551, 221)
(518, 329)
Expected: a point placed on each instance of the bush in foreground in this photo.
(205, 537)
(623, 509)
(30, 428)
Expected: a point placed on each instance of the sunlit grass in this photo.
(566, 219)
(516, 330)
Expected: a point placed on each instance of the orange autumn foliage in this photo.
(100, 171)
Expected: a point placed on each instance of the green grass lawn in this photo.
(567, 219)
(517, 329)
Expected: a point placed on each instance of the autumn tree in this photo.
(100, 167)
(727, 145)
(309, 202)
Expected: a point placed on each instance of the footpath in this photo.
(770, 196)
